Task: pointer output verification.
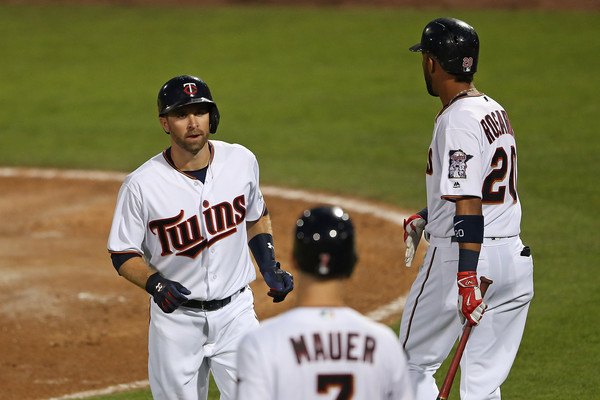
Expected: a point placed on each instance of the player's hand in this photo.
(470, 303)
(413, 229)
(280, 282)
(169, 295)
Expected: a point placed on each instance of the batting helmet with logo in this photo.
(454, 44)
(324, 242)
(183, 90)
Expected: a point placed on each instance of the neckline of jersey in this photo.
(454, 100)
(167, 157)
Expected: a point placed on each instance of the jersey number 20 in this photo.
(502, 165)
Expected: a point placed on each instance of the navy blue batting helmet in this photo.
(453, 42)
(324, 242)
(187, 89)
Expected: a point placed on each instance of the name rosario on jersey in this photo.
(496, 124)
(336, 346)
(183, 236)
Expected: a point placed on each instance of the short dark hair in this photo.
(467, 78)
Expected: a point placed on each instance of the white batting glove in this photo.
(413, 229)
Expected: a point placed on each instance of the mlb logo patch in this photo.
(458, 164)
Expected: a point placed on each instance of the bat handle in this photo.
(447, 385)
(483, 286)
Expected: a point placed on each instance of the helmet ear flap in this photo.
(214, 119)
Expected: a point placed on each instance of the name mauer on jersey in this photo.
(184, 237)
(335, 346)
(496, 124)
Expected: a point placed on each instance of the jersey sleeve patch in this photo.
(458, 164)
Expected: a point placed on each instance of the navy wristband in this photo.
(467, 260)
(263, 250)
(468, 228)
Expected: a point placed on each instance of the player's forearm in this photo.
(263, 225)
(468, 229)
(136, 271)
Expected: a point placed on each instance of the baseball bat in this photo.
(447, 385)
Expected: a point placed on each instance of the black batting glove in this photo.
(169, 295)
(281, 282)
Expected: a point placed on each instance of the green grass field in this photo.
(331, 99)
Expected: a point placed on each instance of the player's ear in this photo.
(430, 63)
(164, 124)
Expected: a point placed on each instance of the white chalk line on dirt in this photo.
(351, 205)
(123, 387)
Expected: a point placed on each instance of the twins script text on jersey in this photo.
(185, 237)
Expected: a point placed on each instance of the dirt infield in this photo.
(71, 324)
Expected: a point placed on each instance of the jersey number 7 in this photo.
(344, 382)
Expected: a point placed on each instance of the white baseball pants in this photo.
(430, 322)
(186, 345)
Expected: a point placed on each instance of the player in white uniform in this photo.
(322, 349)
(472, 222)
(181, 230)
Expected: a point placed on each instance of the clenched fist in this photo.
(470, 302)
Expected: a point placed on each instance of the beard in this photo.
(192, 147)
(429, 85)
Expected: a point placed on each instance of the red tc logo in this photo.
(190, 88)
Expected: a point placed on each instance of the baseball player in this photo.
(472, 222)
(322, 349)
(181, 230)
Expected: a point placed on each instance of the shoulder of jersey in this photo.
(224, 149)
(219, 144)
(146, 168)
(270, 328)
(464, 110)
(473, 102)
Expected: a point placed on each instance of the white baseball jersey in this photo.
(473, 153)
(322, 353)
(192, 232)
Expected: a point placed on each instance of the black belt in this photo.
(211, 305)
(453, 238)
